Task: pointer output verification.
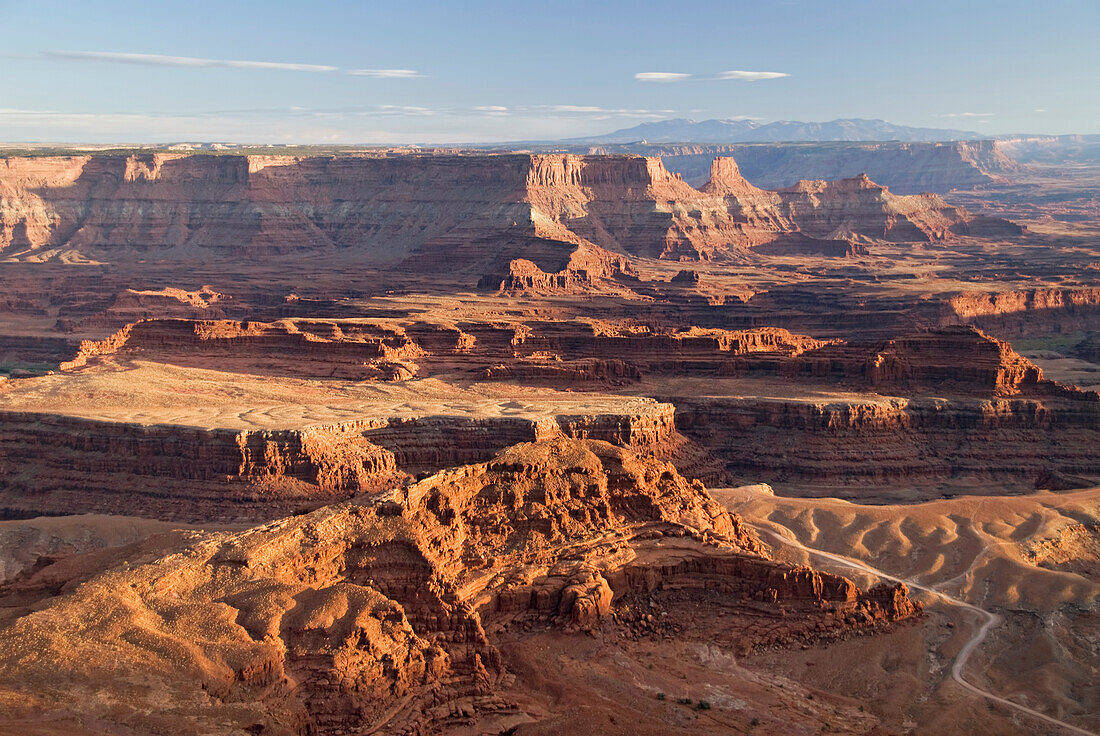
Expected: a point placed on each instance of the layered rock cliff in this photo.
(57, 464)
(901, 449)
(565, 214)
(366, 351)
(318, 348)
(1026, 312)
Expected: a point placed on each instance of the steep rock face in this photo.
(52, 464)
(384, 208)
(447, 213)
(1031, 312)
(859, 206)
(960, 356)
(251, 205)
(757, 209)
(632, 204)
(382, 614)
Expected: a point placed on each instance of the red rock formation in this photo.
(134, 305)
(957, 404)
(956, 358)
(858, 206)
(383, 613)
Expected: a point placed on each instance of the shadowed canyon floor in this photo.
(417, 443)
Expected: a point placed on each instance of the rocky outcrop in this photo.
(950, 404)
(952, 358)
(288, 347)
(367, 351)
(73, 465)
(589, 269)
(898, 449)
(134, 305)
(382, 613)
(958, 359)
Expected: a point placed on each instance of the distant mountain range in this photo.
(682, 130)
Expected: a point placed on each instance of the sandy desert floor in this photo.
(1028, 560)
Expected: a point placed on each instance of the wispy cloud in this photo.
(386, 73)
(661, 76)
(733, 74)
(1040, 109)
(186, 61)
(963, 115)
(405, 110)
(595, 112)
(751, 76)
(496, 111)
(194, 62)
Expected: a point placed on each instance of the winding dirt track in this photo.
(990, 620)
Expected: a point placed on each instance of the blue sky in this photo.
(411, 71)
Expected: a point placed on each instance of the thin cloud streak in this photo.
(751, 76)
(386, 73)
(194, 62)
(577, 112)
(661, 76)
(667, 77)
(964, 115)
(186, 61)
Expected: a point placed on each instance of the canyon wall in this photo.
(900, 449)
(565, 214)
